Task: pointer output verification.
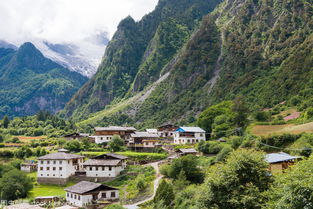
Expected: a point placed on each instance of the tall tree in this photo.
(6, 121)
(241, 111)
(116, 144)
(164, 193)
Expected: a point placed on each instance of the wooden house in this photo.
(280, 161)
(105, 134)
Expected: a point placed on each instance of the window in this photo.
(41, 174)
(71, 195)
(75, 196)
(201, 134)
(48, 162)
(112, 194)
(54, 168)
(96, 168)
(48, 168)
(90, 168)
(41, 162)
(110, 169)
(104, 195)
(103, 168)
(60, 168)
(78, 197)
(41, 168)
(60, 162)
(54, 162)
(47, 174)
(67, 194)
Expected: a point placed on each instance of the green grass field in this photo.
(47, 190)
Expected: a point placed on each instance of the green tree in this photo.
(73, 146)
(241, 111)
(293, 189)
(189, 165)
(164, 193)
(238, 183)
(14, 184)
(116, 144)
(206, 118)
(6, 121)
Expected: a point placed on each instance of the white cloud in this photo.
(78, 22)
(65, 20)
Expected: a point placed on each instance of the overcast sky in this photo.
(61, 21)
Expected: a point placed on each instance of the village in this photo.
(91, 174)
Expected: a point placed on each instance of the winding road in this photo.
(156, 183)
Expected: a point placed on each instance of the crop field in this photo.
(266, 130)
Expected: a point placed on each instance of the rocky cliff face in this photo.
(29, 82)
(137, 54)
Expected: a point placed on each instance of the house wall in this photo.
(28, 168)
(78, 200)
(109, 195)
(186, 140)
(62, 169)
(99, 139)
(103, 171)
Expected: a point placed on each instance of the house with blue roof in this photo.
(189, 135)
(280, 161)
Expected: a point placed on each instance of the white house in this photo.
(189, 135)
(107, 165)
(105, 134)
(56, 168)
(29, 167)
(87, 193)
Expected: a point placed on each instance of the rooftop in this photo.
(144, 135)
(115, 128)
(279, 157)
(102, 162)
(111, 155)
(60, 156)
(86, 186)
(191, 129)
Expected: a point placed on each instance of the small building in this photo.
(280, 161)
(29, 167)
(105, 134)
(87, 193)
(75, 136)
(105, 166)
(151, 143)
(183, 152)
(167, 130)
(152, 131)
(137, 139)
(56, 168)
(46, 199)
(189, 135)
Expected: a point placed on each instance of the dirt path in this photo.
(156, 183)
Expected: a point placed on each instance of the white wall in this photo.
(115, 171)
(102, 138)
(57, 168)
(73, 199)
(185, 140)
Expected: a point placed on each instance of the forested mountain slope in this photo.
(29, 82)
(137, 54)
(259, 48)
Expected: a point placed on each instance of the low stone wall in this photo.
(58, 181)
(92, 179)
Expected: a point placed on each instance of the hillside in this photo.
(29, 82)
(137, 54)
(260, 49)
